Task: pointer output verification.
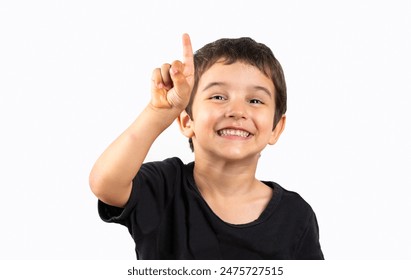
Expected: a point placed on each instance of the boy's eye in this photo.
(256, 101)
(217, 97)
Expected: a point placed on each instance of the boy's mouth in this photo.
(233, 132)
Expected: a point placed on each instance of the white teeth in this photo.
(233, 132)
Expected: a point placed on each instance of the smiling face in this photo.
(233, 113)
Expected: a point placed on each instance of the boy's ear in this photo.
(185, 123)
(279, 128)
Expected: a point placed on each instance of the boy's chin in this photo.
(237, 156)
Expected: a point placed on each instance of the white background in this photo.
(75, 74)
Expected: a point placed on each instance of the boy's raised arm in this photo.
(112, 174)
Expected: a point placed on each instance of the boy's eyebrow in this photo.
(264, 89)
(213, 84)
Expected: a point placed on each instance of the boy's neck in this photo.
(225, 178)
(231, 190)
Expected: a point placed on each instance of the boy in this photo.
(230, 101)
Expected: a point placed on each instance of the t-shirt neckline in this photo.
(267, 212)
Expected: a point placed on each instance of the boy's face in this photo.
(233, 112)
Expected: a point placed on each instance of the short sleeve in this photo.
(153, 187)
(309, 245)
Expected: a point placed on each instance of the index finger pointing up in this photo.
(188, 58)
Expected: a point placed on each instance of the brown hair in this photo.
(248, 51)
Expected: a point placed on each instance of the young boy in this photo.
(230, 101)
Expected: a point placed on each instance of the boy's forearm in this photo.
(113, 172)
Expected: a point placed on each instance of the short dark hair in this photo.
(244, 50)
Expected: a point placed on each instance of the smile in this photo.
(233, 132)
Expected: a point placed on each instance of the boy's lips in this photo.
(234, 132)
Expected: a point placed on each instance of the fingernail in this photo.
(173, 70)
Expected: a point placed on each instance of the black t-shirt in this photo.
(169, 219)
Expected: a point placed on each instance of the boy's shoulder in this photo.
(168, 163)
(171, 164)
(289, 200)
(168, 169)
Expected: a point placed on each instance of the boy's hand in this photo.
(172, 84)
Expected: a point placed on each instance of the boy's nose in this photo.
(236, 110)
